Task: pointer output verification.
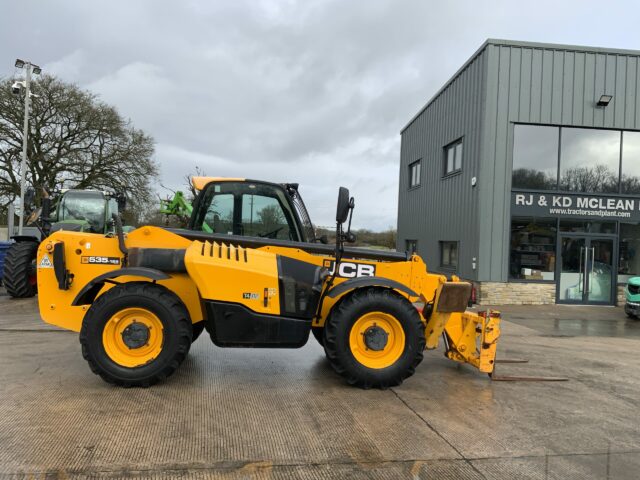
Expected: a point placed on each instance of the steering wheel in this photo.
(78, 216)
(271, 234)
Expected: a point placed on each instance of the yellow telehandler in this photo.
(249, 269)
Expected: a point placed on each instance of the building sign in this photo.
(594, 207)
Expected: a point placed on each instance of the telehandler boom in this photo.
(259, 278)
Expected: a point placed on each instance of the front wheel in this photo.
(136, 334)
(374, 338)
(318, 333)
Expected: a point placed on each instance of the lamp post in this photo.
(29, 69)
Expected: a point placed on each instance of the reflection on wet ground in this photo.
(573, 321)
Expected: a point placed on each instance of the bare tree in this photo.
(75, 141)
(589, 179)
(531, 178)
(189, 186)
(271, 217)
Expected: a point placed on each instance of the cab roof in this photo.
(200, 182)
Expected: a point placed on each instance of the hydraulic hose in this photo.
(120, 233)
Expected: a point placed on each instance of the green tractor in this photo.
(74, 210)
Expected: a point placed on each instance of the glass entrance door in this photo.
(586, 270)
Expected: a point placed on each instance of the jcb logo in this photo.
(351, 269)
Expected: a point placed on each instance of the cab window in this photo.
(84, 208)
(250, 209)
(264, 217)
(219, 216)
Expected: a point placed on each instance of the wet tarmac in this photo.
(574, 320)
(284, 413)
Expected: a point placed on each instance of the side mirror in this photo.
(29, 196)
(342, 212)
(121, 200)
(46, 205)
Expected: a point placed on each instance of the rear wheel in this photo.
(19, 275)
(136, 334)
(374, 338)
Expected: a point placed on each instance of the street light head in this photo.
(19, 63)
(36, 70)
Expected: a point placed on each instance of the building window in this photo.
(411, 246)
(449, 255)
(535, 157)
(589, 160)
(629, 256)
(453, 157)
(533, 248)
(630, 181)
(414, 174)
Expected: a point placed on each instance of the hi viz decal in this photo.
(351, 269)
(45, 262)
(96, 260)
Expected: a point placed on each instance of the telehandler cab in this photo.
(258, 278)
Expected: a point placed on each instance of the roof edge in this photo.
(517, 43)
(561, 46)
(447, 83)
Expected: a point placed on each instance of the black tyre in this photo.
(19, 275)
(197, 330)
(136, 334)
(318, 333)
(374, 338)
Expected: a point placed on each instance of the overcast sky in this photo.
(314, 92)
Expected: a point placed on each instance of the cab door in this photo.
(253, 209)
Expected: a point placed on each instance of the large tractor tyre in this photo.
(197, 330)
(19, 275)
(318, 333)
(136, 334)
(374, 338)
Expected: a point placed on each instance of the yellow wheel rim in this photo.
(133, 337)
(367, 340)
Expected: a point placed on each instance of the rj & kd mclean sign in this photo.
(575, 205)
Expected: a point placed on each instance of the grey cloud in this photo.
(308, 91)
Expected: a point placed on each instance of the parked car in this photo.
(632, 296)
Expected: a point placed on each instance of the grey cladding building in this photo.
(522, 174)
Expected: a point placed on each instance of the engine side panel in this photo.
(226, 273)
